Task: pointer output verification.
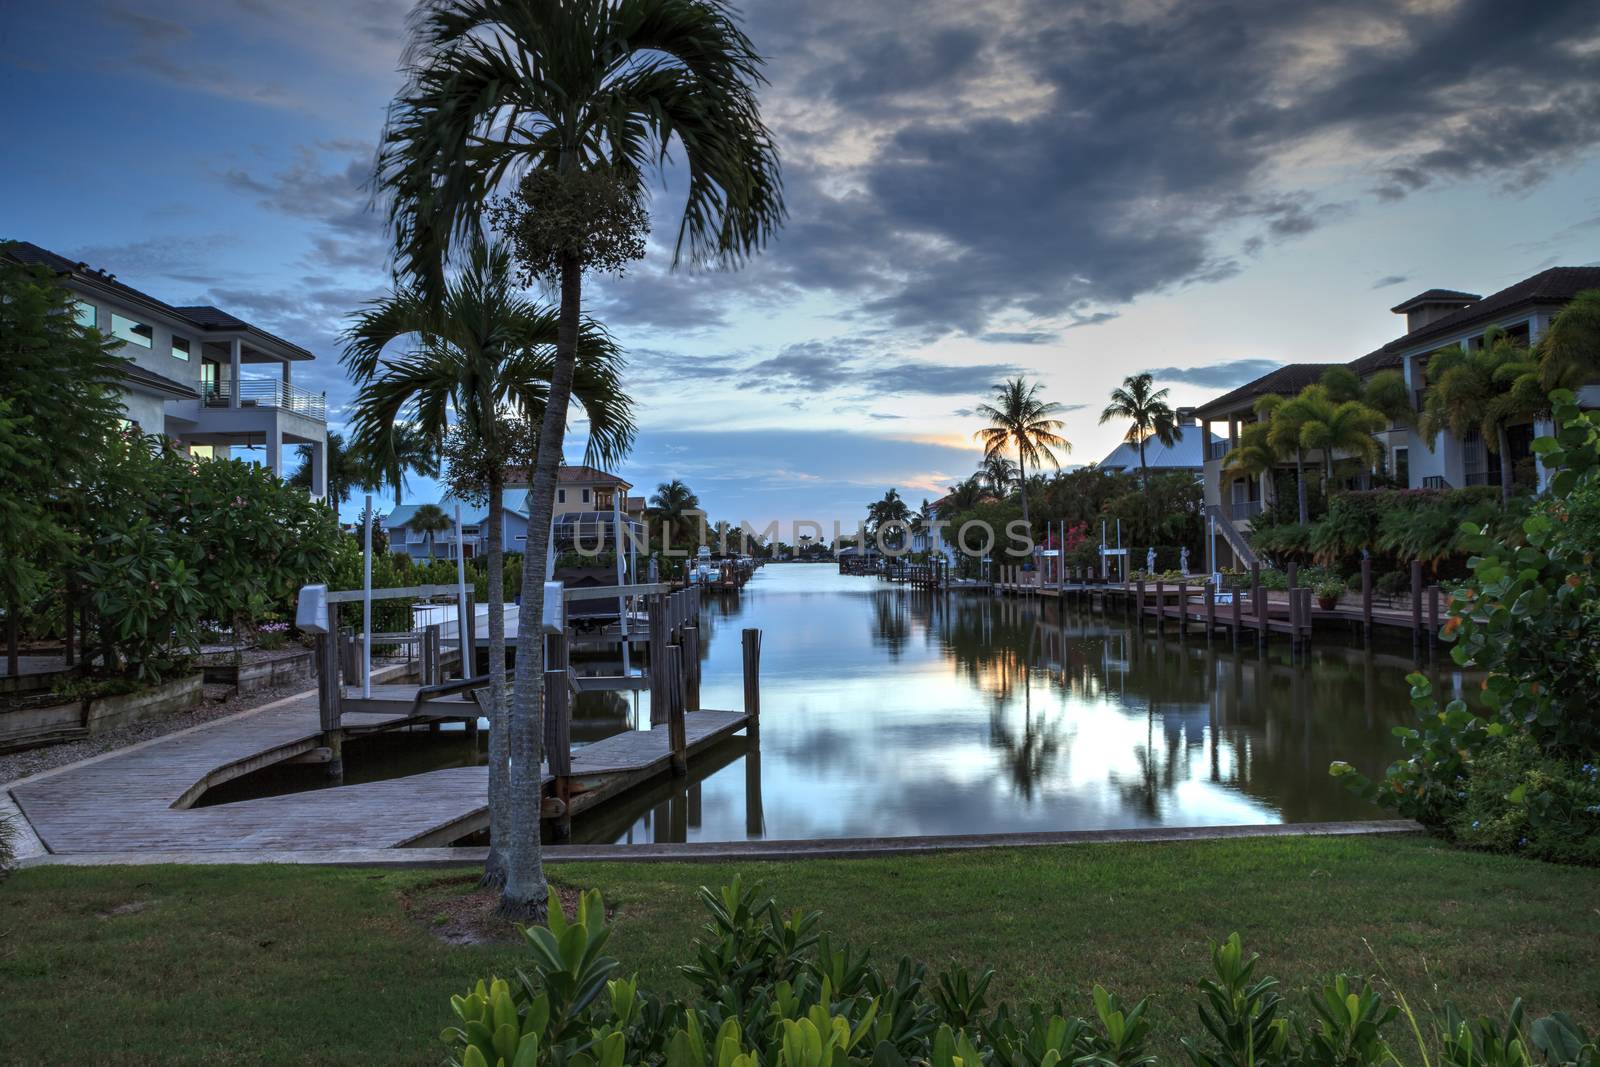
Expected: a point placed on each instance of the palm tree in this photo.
(483, 354)
(1569, 352)
(1283, 437)
(573, 97)
(1486, 389)
(1019, 418)
(429, 520)
(891, 509)
(406, 449)
(1346, 427)
(1148, 412)
(998, 473)
(671, 506)
(963, 496)
(1253, 454)
(347, 469)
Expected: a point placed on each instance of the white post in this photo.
(366, 609)
(461, 601)
(235, 357)
(622, 602)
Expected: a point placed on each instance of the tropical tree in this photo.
(481, 353)
(963, 496)
(1148, 413)
(1486, 389)
(347, 469)
(573, 101)
(1253, 455)
(429, 520)
(672, 506)
(1331, 427)
(891, 509)
(1019, 419)
(406, 449)
(1569, 351)
(998, 473)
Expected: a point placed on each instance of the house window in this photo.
(1402, 467)
(202, 451)
(561, 496)
(132, 332)
(180, 348)
(586, 496)
(83, 312)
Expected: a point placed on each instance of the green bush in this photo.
(1520, 800)
(771, 989)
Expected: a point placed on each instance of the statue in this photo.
(1150, 561)
(1183, 560)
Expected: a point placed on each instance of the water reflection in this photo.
(893, 712)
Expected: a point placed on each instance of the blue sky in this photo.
(1072, 191)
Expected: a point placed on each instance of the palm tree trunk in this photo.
(1300, 485)
(1504, 441)
(525, 890)
(1144, 471)
(1022, 484)
(494, 869)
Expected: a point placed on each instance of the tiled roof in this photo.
(1435, 296)
(569, 473)
(149, 379)
(1290, 378)
(202, 317)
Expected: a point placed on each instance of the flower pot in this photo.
(1327, 603)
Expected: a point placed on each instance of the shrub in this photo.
(1520, 800)
(770, 989)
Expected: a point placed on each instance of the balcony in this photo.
(1240, 510)
(267, 393)
(1217, 450)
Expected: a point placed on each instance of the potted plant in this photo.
(1328, 592)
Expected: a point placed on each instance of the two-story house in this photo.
(1435, 319)
(206, 380)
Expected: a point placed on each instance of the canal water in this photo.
(888, 711)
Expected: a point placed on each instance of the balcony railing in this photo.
(1244, 509)
(1435, 481)
(267, 393)
(1217, 449)
(1419, 399)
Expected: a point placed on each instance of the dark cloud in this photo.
(1217, 375)
(1029, 337)
(1389, 279)
(1074, 157)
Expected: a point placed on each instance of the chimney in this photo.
(1185, 416)
(1433, 305)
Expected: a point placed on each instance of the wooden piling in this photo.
(658, 660)
(690, 639)
(1238, 612)
(1260, 598)
(1366, 600)
(468, 634)
(1138, 597)
(677, 740)
(1161, 606)
(329, 693)
(751, 639)
(1211, 610)
(1433, 617)
(1416, 602)
(558, 744)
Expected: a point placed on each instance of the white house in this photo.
(206, 380)
(1186, 453)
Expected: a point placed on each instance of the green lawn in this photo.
(303, 965)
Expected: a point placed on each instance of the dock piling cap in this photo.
(311, 612)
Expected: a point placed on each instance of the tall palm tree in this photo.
(891, 509)
(1148, 413)
(1019, 419)
(563, 94)
(347, 469)
(1569, 352)
(1283, 436)
(481, 353)
(1486, 389)
(406, 449)
(963, 496)
(429, 520)
(671, 506)
(1346, 427)
(1253, 454)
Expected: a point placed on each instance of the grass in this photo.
(302, 965)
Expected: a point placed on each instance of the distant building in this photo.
(187, 379)
(1187, 453)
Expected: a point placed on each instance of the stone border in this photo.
(732, 851)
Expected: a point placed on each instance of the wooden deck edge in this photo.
(734, 851)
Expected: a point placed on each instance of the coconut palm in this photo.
(406, 449)
(1569, 352)
(1487, 389)
(891, 509)
(672, 505)
(1253, 454)
(567, 100)
(963, 496)
(1019, 419)
(347, 469)
(480, 354)
(1333, 427)
(1283, 437)
(998, 473)
(1148, 413)
(429, 520)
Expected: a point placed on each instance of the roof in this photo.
(1554, 286)
(203, 318)
(1186, 453)
(569, 473)
(139, 377)
(1435, 296)
(514, 501)
(1290, 378)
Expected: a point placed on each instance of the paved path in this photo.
(137, 798)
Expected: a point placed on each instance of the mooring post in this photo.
(1433, 618)
(329, 694)
(558, 744)
(658, 660)
(691, 664)
(467, 634)
(1183, 606)
(677, 741)
(1211, 610)
(1366, 601)
(751, 640)
(1416, 604)
(1238, 612)
(1262, 613)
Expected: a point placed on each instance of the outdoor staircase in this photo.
(1231, 534)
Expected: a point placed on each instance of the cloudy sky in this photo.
(1075, 191)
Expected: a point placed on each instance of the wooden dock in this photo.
(142, 796)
